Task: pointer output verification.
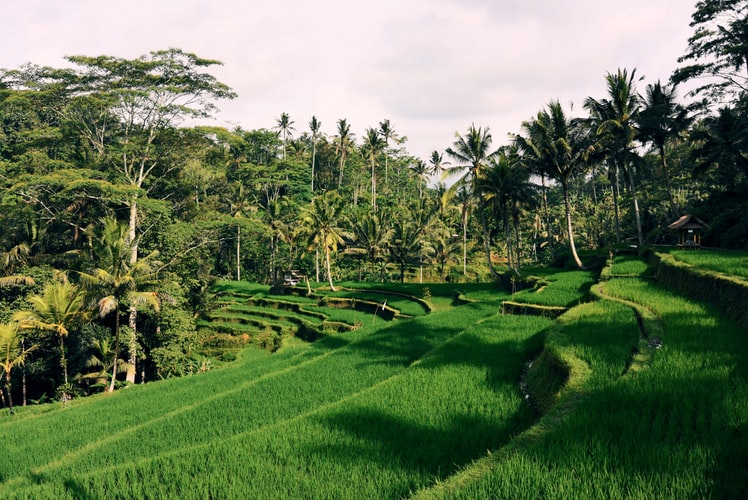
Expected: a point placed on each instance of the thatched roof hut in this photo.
(689, 230)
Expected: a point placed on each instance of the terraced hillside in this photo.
(429, 405)
(249, 313)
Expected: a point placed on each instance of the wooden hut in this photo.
(689, 230)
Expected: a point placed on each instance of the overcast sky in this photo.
(432, 67)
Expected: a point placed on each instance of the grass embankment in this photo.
(675, 429)
(728, 262)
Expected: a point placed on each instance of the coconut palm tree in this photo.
(342, 146)
(240, 206)
(322, 221)
(371, 149)
(58, 309)
(505, 186)
(314, 126)
(472, 153)
(284, 125)
(615, 120)
(100, 366)
(370, 235)
(437, 165)
(558, 146)
(116, 282)
(387, 132)
(660, 120)
(12, 354)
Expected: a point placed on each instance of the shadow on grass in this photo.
(375, 438)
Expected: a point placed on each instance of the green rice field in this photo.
(427, 405)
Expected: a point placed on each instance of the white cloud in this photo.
(432, 67)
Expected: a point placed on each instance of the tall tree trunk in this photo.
(637, 215)
(487, 244)
(508, 235)
(570, 231)
(373, 189)
(674, 210)
(63, 361)
(238, 253)
(316, 265)
(116, 351)
(329, 270)
(10, 396)
(464, 242)
(616, 207)
(133, 318)
(314, 156)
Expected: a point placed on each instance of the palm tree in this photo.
(9, 260)
(660, 119)
(437, 165)
(421, 170)
(342, 145)
(444, 245)
(12, 354)
(505, 186)
(556, 145)
(100, 364)
(118, 280)
(314, 126)
(371, 149)
(408, 245)
(284, 126)
(472, 152)
(322, 222)
(239, 206)
(615, 119)
(57, 309)
(387, 132)
(371, 233)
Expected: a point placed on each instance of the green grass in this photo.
(730, 262)
(675, 429)
(559, 289)
(428, 407)
(629, 265)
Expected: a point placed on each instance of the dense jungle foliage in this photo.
(119, 216)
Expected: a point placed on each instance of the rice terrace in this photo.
(190, 311)
(634, 391)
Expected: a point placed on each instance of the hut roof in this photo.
(688, 221)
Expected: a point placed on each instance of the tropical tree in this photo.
(343, 144)
(116, 282)
(99, 365)
(284, 126)
(58, 309)
(323, 224)
(239, 205)
(472, 153)
(661, 119)
(387, 132)
(408, 244)
(371, 233)
(372, 148)
(437, 165)
(615, 119)
(12, 354)
(557, 145)
(717, 51)
(505, 187)
(314, 126)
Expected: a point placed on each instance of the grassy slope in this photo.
(379, 411)
(676, 428)
(388, 410)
